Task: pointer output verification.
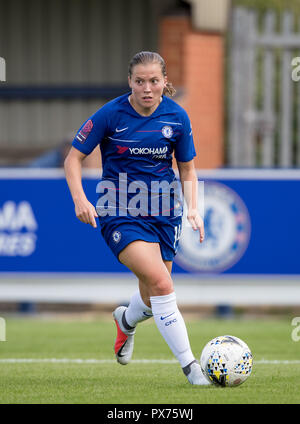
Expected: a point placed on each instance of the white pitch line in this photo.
(112, 361)
(81, 361)
(277, 361)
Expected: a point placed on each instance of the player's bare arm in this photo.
(189, 183)
(84, 210)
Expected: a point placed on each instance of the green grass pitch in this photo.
(275, 377)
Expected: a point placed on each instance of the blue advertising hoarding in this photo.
(251, 224)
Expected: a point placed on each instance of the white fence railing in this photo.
(264, 103)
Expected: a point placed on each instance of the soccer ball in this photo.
(226, 361)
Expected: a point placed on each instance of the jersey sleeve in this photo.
(92, 132)
(184, 146)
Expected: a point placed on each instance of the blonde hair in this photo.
(151, 57)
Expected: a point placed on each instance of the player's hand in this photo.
(86, 212)
(196, 222)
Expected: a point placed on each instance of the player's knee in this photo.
(161, 286)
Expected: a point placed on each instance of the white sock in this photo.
(137, 310)
(172, 327)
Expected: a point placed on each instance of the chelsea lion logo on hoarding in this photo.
(227, 232)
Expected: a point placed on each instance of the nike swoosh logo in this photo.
(147, 315)
(120, 350)
(122, 129)
(162, 318)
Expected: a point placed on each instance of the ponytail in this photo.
(169, 90)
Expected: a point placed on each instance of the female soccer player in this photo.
(139, 210)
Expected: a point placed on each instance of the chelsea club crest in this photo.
(227, 232)
(116, 236)
(167, 131)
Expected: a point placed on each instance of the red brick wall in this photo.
(195, 63)
(172, 33)
(203, 82)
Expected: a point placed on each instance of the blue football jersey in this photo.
(137, 154)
